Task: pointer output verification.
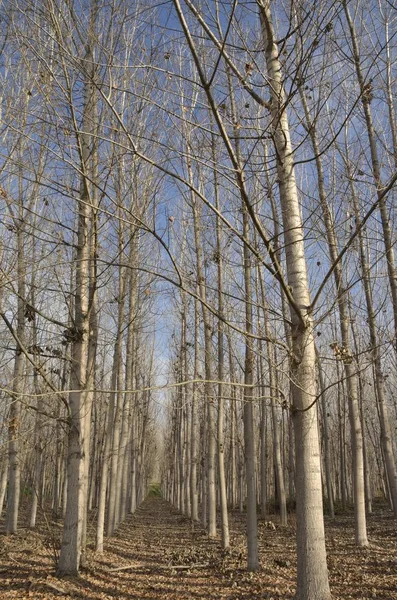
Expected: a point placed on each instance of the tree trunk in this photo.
(127, 439)
(233, 429)
(114, 427)
(69, 559)
(274, 404)
(343, 352)
(3, 485)
(312, 572)
(249, 439)
(194, 421)
(107, 446)
(221, 372)
(80, 398)
(327, 451)
(14, 480)
(366, 97)
(209, 386)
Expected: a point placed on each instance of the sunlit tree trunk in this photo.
(361, 385)
(194, 421)
(249, 366)
(92, 177)
(3, 485)
(128, 442)
(114, 427)
(345, 351)
(274, 404)
(209, 386)
(133, 458)
(263, 416)
(342, 441)
(312, 572)
(327, 451)
(221, 371)
(249, 439)
(103, 486)
(366, 98)
(14, 421)
(233, 428)
(384, 418)
(38, 433)
(69, 560)
(181, 413)
(80, 398)
(287, 330)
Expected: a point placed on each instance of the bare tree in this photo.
(312, 566)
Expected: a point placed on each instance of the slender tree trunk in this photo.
(60, 443)
(14, 480)
(249, 365)
(367, 482)
(116, 424)
(80, 399)
(277, 444)
(312, 580)
(127, 441)
(107, 447)
(366, 98)
(38, 433)
(194, 421)
(221, 373)
(384, 418)
(274, 398)
(344, 351)
(327, 451)
(342, 443)
(263, 416)
(133, 459)
(187, 450)
(249, 443)
(233, 428)
(287, 330)
(69, 560)
(92, 348)
(209, 386)
(263, 471)
(3, 485)
(181, 413)
(141, 491)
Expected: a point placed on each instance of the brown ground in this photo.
(168, 559)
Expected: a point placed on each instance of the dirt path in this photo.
(171, 559)
(158, 555)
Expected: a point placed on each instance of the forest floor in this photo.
(158, 555)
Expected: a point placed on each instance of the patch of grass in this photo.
(155, 490)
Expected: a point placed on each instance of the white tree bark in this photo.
(312, 572)
(80, 399)
(209, 386)
(351, 378)
(3, 485)
(221, 373)
(384, 418)
(327, 451)
(69, 560)
(366, 97)
(14, 421)
(194, 421)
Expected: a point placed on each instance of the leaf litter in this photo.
(157, 554)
